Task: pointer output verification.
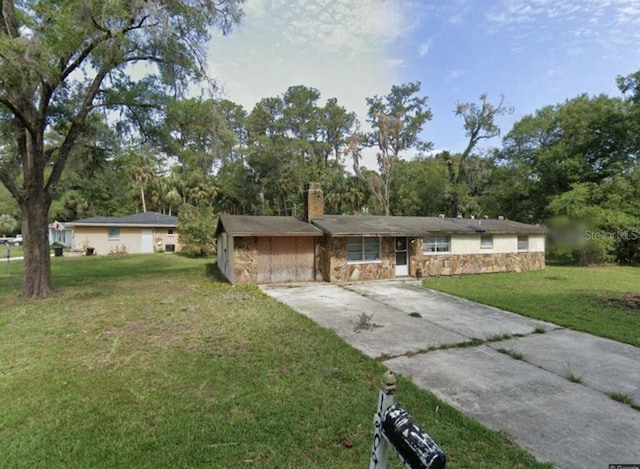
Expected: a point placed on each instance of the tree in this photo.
(7, 224)
(479, 124)
(630, 86)
(197, 236)
(94, 181)
(235, 119)
(585, 139)
(602, 219)
(396, 121)
(60, 62)
(194, 131)
(336, 126)
(419, 186)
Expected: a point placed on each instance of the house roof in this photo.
(143, 219)
(250, 225)
(355, 225)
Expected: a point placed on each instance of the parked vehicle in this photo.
(17, 241)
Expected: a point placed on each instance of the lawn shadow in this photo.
(69, 272)
(214, 273)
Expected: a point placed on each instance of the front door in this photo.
(147, 241)
(402, 257)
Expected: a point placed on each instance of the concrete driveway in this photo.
(518, 375)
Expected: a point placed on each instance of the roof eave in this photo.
(126, 225)
(238, 234)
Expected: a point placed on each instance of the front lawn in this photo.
(12, 251)
(151, 361)
(603, 301)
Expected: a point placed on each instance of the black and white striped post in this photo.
(395, 427)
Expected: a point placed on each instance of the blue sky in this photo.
(534, 52)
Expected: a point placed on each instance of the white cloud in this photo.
(571, 24)
(629, 14)
(455, 74)
(425, 47)
(568, 13)
(460, 9)
(344, 48)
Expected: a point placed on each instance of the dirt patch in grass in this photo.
(628, 300)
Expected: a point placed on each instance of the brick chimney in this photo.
(313, 201)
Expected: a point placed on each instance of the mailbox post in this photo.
(394, 427)
(385, 400)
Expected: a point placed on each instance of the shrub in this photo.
(197, 226)
(593, 252)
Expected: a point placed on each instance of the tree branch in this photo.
(17, 112)
(107, 34)
(9, 183)
(10, 24)
(109, 104)
(74, 131)
(68, 69)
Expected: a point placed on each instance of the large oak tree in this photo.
(396, 121)
(61, 61)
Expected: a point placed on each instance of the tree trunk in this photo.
(37, 259)
(144, 203)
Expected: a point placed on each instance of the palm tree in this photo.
(142, 176)
(7, 224)
(173, 198)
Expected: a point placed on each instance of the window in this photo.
(523, 243)
(436, 244)
(113, 233)
(170, 232)
(486, 242)
(363, 249)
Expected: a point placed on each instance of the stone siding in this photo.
(333, 266)
(325, 246)
(460, 264)
(245, 261)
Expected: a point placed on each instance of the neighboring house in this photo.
(340, 248)
(140, 233)
(58, 233)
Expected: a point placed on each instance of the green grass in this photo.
(573, 377)
(13, 251)
(512, 353)
(620, 397)
(152, 361)
(597, 300)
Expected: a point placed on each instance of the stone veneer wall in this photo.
(325, 245)
(245, 261)
(332, 264)
(458, 264)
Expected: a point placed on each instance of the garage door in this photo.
(286, 259)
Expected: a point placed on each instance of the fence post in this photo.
(385, 400)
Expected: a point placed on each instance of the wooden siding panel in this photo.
(285, 259)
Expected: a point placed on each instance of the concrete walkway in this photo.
(519, 377)
(11, 259)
